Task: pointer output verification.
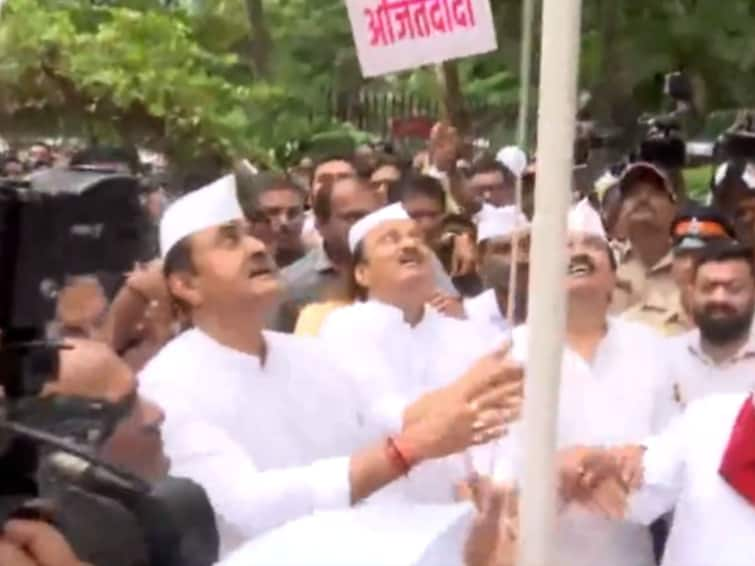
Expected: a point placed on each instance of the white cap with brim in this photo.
(513, 158)
(212, 205)
(500, 223)
(584, 219)
(365, 225)
(748, 175)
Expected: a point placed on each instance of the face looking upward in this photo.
(590, 273)
(395, 266)
(647, 204)
(232, 272)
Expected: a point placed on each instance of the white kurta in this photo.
(696, 375)
(394, 364)
(621, 397)
(713, 525)
(484, 309)
(268, 443)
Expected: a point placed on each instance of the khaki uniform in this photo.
(634, 283)
(664, 314)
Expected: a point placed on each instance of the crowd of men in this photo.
(351, 339)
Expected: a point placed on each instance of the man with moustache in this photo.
(614, 390)
(719, 355)
(649, 207)
(406, 347)
(265, 422)
(319, 277)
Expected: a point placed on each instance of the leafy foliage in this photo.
(245, 77)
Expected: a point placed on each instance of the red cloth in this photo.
(738, 464)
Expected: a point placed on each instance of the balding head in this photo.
(91, 369)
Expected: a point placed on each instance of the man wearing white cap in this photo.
(406, 347)
(613, 390)
(495, 238)
(263, 421)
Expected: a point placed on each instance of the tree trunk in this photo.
(260, 36)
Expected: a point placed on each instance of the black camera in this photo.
(48, 464)
(663, 142)
(738, 142)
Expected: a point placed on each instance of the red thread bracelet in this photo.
(397, 455)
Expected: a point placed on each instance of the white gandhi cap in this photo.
(212, 205)
(500, 222)
(365, 225)
(513, 158)
(584, 218)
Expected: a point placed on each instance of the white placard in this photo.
(394, 35)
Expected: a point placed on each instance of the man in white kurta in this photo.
(614, 389)
(713, 524)
(405, 347)
(265, 422)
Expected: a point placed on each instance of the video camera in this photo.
(48, 464)
(663, 142)
(738, 142)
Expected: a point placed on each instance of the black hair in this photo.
(415, 184)
(331, 157)
(179, 260)
(356, 292)
(717, 251)
(487, 163)
(251, 188)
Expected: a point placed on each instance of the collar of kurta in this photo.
(738, 463)
(746, 352)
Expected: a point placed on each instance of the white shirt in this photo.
(713, 525)
(269, 443)
(484, 309)
(620, 397)
(696, 375)
(399, 363)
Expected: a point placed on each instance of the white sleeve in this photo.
(663, 473)
(666, 406)
(254, 501)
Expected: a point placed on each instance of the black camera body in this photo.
(66, 223)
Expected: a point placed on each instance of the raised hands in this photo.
(475, 409)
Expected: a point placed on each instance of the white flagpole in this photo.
(555, 134)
